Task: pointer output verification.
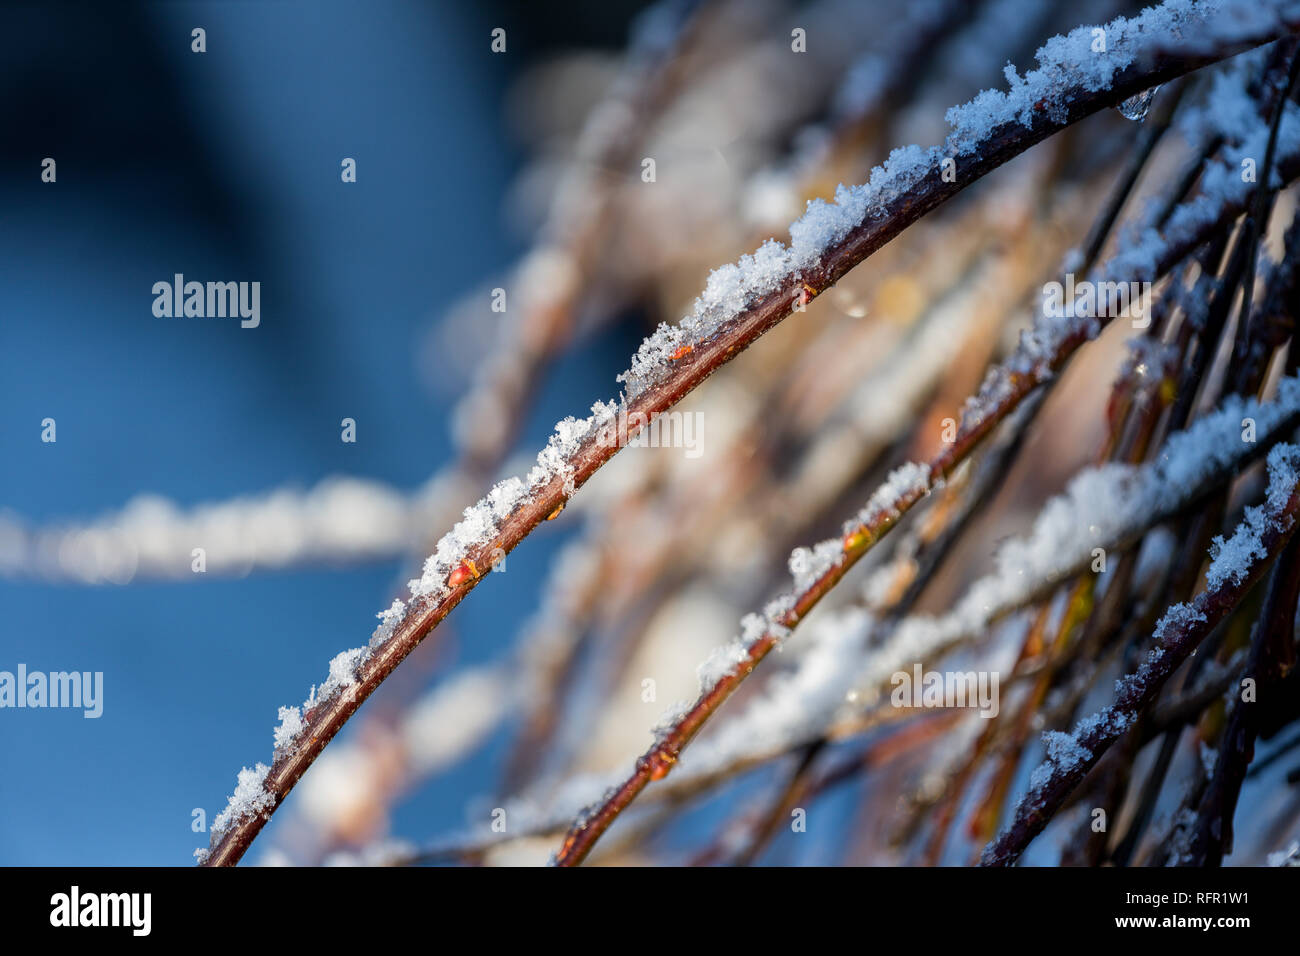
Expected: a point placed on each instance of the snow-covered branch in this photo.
(1108, 507)
(741, 303)
(1236, 564)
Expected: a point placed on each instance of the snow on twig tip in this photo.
(250, 797)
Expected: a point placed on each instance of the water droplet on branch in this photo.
(1135, 108)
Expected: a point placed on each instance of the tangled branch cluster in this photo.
(914, 405)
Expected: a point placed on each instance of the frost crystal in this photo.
(1232, 559)
(343, 674)
(290, 727)
(388, 621)
(1177, 618)
(909, 479)
(753, 627)
(723, 661)
(479, 523)
(1064, 753)
(505, 496)
(250, 797)
(809, 564)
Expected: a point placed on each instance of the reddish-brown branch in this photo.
(733, 337)
(1272, 657)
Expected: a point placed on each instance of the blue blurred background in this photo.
(226, 165)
